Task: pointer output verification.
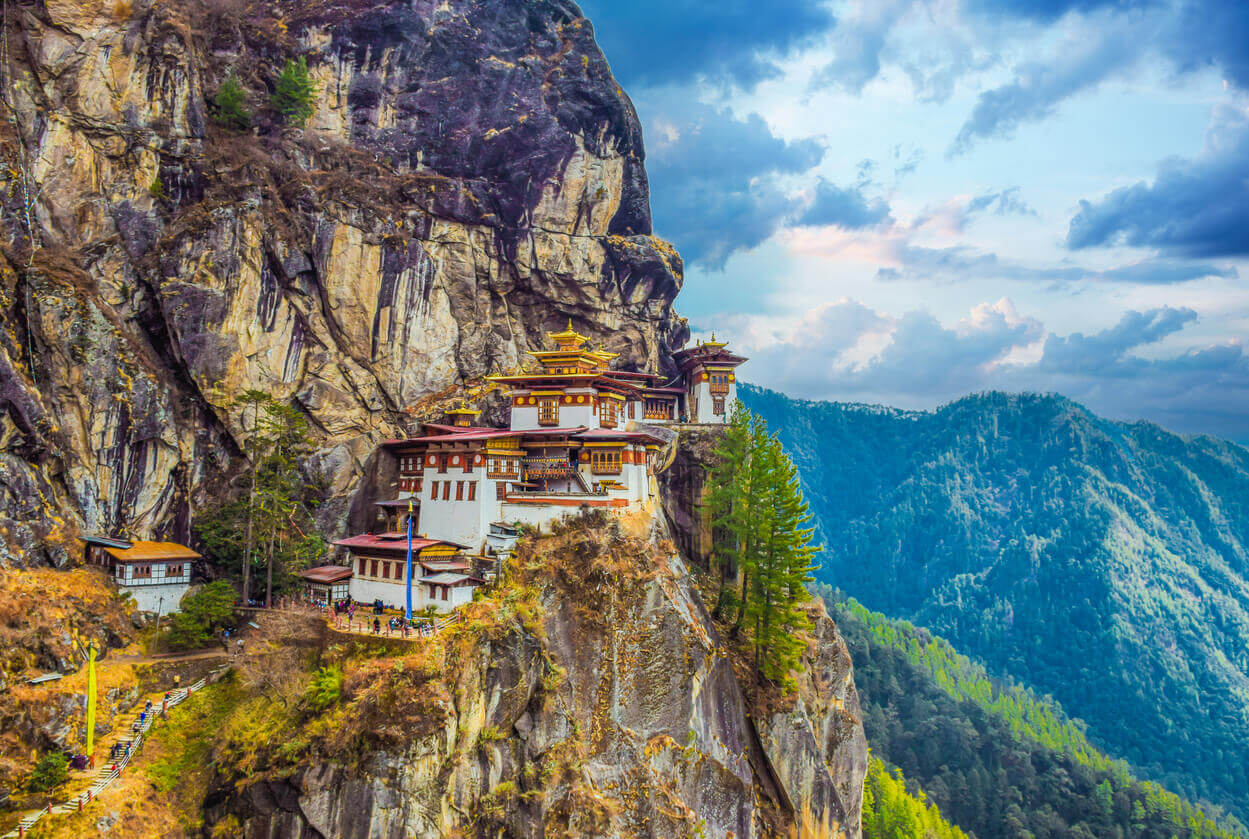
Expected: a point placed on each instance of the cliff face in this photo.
(472, 177)
(617, 714)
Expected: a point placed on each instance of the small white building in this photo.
(441, 577)
(157, 574)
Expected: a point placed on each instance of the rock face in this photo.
(621, 716)
(472, 177)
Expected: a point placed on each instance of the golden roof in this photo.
(569, 338)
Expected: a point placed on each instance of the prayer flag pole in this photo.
(91, 702)
(407, 613)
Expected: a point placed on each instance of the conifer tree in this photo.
(763, 531)
(295, 94)
(725, 497)
(231, 105)
(782, 569)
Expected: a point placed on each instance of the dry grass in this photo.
(48, 618)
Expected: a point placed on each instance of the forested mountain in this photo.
(1100, 562)
(998, 760)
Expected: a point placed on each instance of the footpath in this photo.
(122, 745)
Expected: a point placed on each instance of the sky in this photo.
(905, 201)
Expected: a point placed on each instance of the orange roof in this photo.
(152, 551)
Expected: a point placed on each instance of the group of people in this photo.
(345, 615)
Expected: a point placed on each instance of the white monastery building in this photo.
(577, 438)
(156, 574)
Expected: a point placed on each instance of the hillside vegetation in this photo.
(998, 759)
(1099, 562)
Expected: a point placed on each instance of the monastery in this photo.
(580, 435)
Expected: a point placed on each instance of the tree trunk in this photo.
(251, 515)
(741, 607)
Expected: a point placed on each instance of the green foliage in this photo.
(50, 772)
(230, 105)
(762, 532)
(326, 688)
(891, 811)
(270, 528)
(996, 758)
(1098, 562)
(157, 188)
(295, 95)
(203, 613)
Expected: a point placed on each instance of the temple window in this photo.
(605, 461)
(459, 490)
(608, 410)
(433, 490)
(446, 490)
(472, 490)
(717, 404)
(548, 412)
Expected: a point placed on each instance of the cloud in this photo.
(1003, 203)
(1087, 57)
(659, 42)
(848, 349)
(1105, 352)
(849, 352)
(715, 177)
(847, 207)
(1195, 208)
(1211, 33)
(1048, 11)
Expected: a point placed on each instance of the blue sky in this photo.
(903, 201)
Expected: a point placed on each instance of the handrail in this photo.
(106, 776)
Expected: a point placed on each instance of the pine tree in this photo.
(783, 568)
(295, 94)
(230, 105)
(725, 495)
(751, 517)
(763, 531)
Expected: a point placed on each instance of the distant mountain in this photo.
(1101, 562)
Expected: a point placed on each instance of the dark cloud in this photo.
(843, 207)
(1038, 87)
(657, 42)
(1105, 352)
(1212, 33)
(714, 178)
(1195, 208)
(1048, 11)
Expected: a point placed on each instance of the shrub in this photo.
(230, 105)
(157, 188)
(50, 772)
(296, 94)
(326, 688)
(202, 614)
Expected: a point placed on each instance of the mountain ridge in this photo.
(1102, 562)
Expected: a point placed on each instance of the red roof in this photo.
(462, 436)
(608, 434)
(326, 573)
(390, 541)
(455, 429)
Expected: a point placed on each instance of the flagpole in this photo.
(407, 614)
(91, 703)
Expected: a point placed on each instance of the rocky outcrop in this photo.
(472, 177)
(620, 715)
